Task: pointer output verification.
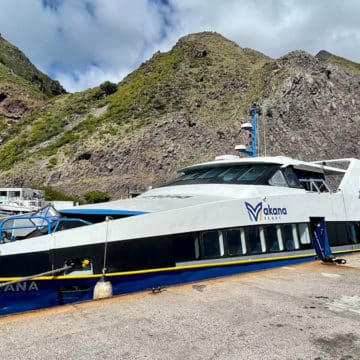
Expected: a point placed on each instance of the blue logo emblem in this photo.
(254, 212)
(259, 213)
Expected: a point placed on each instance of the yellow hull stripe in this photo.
(183, 267)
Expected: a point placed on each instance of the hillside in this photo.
(23, 88)
(19, 65)
(180, 107)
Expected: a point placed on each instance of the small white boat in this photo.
(17, 200)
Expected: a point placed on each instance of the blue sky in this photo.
(82, 43)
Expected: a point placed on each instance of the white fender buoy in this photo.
(103, 289)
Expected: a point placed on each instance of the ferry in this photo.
(223, 217)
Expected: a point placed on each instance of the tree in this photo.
(96, 196)
(108, 87)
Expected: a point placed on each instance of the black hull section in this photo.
(25, 264)
(125, 255)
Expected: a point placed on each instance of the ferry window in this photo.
(342, 234)
(253, 173)
(331, 233)
(352, 233)
(357, 232)
(253, 240)
(272, 242)
(304, 235)
(289, 237)
(211, 173)
(210, 244)
(278, 179)
(185, 247)
(232, 173)
(291, 177)
(234, 243)
(338, 233)
(190, 176)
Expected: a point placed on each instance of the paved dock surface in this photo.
(308, 311)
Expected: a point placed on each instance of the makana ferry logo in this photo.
(261, 212)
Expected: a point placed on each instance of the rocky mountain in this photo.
(181, 107)
(23, 87)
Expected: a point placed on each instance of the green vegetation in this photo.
(168, 82)
(52, 162)
(20, 65)
(17, 87)
(138, 95)
(108, 87)
(52, 194)
(44, 132)
(97, 196)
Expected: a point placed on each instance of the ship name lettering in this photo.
(274, 211)
(21, 286)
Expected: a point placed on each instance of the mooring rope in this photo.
(107, 219)
(31, 277)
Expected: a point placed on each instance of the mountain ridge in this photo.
(183, 106)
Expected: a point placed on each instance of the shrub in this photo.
(52, 194)
(108, 87)
(96, 196)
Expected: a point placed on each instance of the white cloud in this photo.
(85, 42)
(90, 77)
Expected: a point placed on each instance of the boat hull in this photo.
(53, 291)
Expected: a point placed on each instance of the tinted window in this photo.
(304, 236)
(253, 242)
(278, 179)
(343, 236)
(184, 246)
(339, 233)
(331, 233)
(288, 237)
(192, 175)
(234, 174)
(357, 232)
(233, 239)
(272, 243)
(291, 177)
(253, 173)
(211, 173)
(210, 246)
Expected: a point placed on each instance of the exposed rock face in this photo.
(187, 106)
(14, 109)
(315, 113)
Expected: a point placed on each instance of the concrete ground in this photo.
(308, 311)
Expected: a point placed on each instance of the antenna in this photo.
(251, 148)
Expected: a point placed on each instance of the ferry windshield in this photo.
(254, 174)
(231, 174)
